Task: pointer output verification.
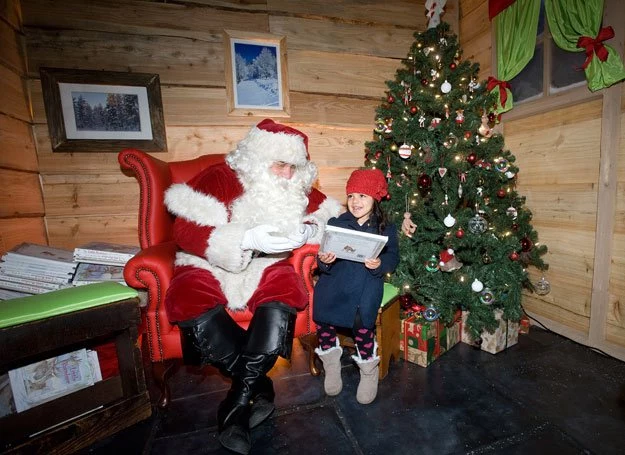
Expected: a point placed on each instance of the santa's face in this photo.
(360, 205)
(282, 169)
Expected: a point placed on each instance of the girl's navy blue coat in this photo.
(344, 287)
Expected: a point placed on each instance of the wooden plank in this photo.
(607, 191)
(89, 194)
(479, 50)
(567, 319)
(541, 123)
(248, 5)
(12, 96)
(468, 6)
(20, 195)
(474, 22)
(197, 106)
(10, 11)
(141, 18)
(615, 335)
(177, 60)
(404, 13)
(14, 231)
(329, 36)
(69, 232)
(319, 72)
(17, 145)
(12, 54)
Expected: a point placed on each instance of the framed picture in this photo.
(103, 111)
(256, 74)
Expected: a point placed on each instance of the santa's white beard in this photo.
(273, 200)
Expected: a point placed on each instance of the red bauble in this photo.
(378, 154)
(390, 99)
(388, 196)
(424, 182)
(514, 256)
(467, 134)
(452, 65)
(472, 158)
(424, 82)
(459, 233)
(526, 244)
(491, 117)
(515, 227)
(413, 110)
(501, 193)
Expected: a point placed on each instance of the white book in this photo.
(31, 282)
(111, 253)
(6, 294)
(40, 276)
(52, 378)
(96, 273)
(352, 245)
(29, 288)
(41, 254)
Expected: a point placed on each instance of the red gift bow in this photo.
(596, 45)
(503, 85)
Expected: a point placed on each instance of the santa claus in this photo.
(236, 223)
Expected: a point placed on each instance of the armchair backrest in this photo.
(154, 177)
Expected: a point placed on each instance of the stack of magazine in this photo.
(101, 261)
(30, 269)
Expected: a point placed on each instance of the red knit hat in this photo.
(367, 181)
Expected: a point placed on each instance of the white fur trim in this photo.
(185, 202)
(224, 249)
(321, 352)
(237, 287)
(268, 147)
(329, 208)
(358, 358)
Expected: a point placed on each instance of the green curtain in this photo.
(515, 29)
(575, 27)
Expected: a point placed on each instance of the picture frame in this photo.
(256, 74)
(103, 111)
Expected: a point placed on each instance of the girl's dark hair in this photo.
(379, 216)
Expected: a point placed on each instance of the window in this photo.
(550, 71)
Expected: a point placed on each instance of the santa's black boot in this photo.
(212, 338)
(270, 335)
(215, 338)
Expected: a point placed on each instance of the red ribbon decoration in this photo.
(503, 85)
(596, 45)
(497, 6)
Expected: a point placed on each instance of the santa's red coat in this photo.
(211, 268)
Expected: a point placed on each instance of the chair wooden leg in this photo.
(309, 343)
(162, 372)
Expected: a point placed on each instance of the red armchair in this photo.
(152, 268)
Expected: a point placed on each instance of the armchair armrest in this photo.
(152, 269)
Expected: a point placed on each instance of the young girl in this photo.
(348, 293)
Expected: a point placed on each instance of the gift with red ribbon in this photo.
(423, 342)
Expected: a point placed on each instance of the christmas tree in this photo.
(450, 175)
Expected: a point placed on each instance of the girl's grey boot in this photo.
(331, 358)
(369, 375)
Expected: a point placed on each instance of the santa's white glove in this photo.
(259, 238)
(303, 233)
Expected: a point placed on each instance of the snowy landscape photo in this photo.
(256, 75)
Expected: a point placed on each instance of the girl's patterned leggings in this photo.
(363, 337)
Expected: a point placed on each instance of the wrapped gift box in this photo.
(422, 342)
(506, 334)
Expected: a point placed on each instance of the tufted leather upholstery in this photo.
(152, 268)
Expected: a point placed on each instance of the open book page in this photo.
(352, 245)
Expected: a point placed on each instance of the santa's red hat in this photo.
(270, 141)
(367, 181)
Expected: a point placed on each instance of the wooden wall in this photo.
(572, 170)
(21, 203)
(339, 56)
